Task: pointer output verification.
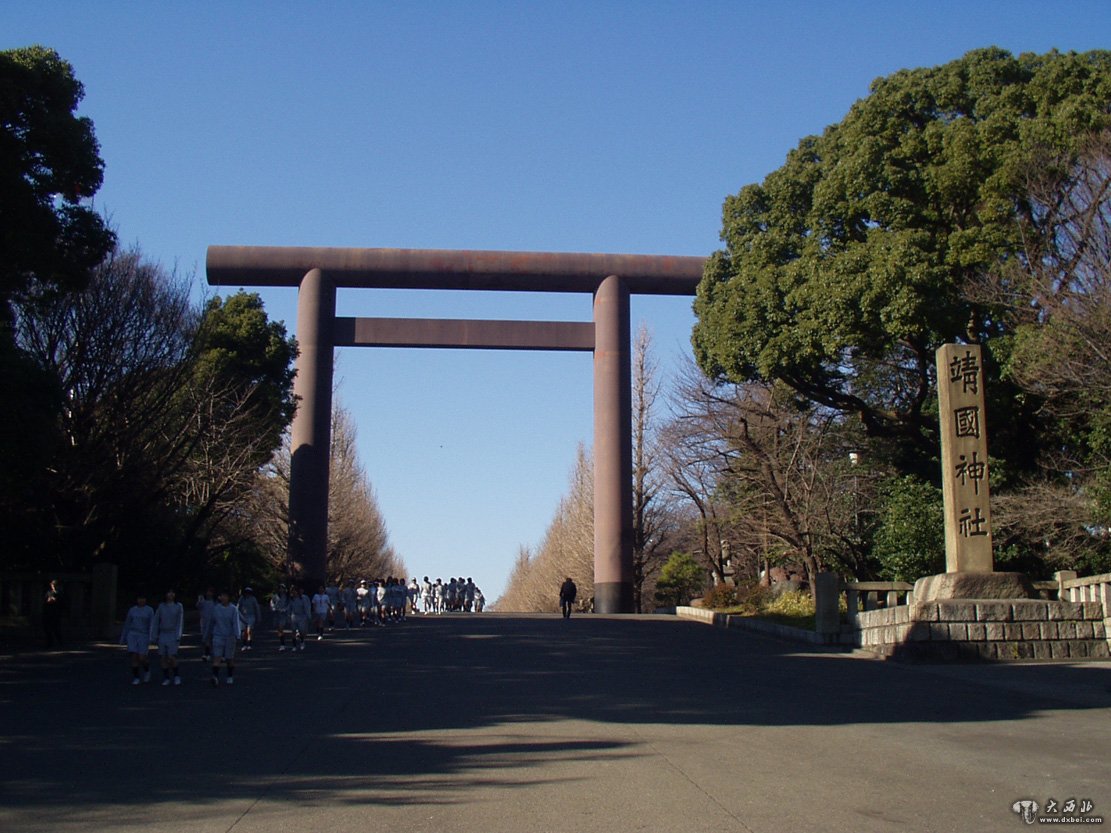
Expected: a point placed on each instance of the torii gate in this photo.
(318, 272)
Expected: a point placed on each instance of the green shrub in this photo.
(793, 607)
(681, 579)
(910, 540)
(747, 597)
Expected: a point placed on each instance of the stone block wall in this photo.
(1000, 630)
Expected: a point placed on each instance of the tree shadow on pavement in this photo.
(418, 712)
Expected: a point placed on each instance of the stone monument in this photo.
(969, 567)
(970, 611)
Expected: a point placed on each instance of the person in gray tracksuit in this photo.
(165, 632)
(250, 611)
(224, 628)
(299, 613)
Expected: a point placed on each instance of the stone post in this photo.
(964, 459)
(613, 451)
(1061, 576)
(827, 591)
(103, 606)
(311, 434)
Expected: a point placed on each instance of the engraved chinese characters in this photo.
(964, 459)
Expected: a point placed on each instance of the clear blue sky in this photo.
(558, 126)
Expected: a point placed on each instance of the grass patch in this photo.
(795, 609)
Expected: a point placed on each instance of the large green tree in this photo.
(844, 269)
(50, 237)
(50, 240)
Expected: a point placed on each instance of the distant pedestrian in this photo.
(365, 602)
(52, 615)
(205, 605)
(349, 598)
(321, 605)
(378, 590)
(224, 628)
(426, 595)
(567, 593)
(135, 634)
(299, 612)
(333, 604)
(165, 631)
(279, 606)
(438, 596)
(251, 613)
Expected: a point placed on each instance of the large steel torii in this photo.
(318, 272)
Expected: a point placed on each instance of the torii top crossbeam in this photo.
(450, 269)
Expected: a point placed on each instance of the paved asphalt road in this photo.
(462, 724)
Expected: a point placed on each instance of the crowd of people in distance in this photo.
(224, 625)
(457, 595)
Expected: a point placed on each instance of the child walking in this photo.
(299, 612)
(165, 631)
(321, 605)
(279, 605)
(205, 605)
(135, 634)
(223, 632)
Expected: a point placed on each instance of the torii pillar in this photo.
(311, 434)
(613, 450)
(317, 272)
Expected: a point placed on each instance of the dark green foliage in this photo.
(1100, 439)
(747, 597)
(240, 349)
(845, 269)
(681, 579)
(49, 162)
(910, 539)
(49, 243)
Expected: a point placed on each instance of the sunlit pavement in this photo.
(498, 723)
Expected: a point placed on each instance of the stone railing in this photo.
(858, 595)
(874, 595)
(1089, 589)
(1071, 619)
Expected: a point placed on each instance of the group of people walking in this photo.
(224, 625)
(161, 626)
(367, 604)
(457, 595)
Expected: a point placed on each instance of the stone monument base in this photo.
(993, 630)
(974, 586)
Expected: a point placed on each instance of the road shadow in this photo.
(397, 715)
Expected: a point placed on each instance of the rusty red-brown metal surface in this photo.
(480, 335)
(451, 269)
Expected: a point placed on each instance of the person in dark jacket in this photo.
(52, 615)
(567, 593)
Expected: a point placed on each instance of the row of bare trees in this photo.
(159, 441)
(156, 416)
(566, 550)
(747, 477)
(358, 539)
(1056, 298)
